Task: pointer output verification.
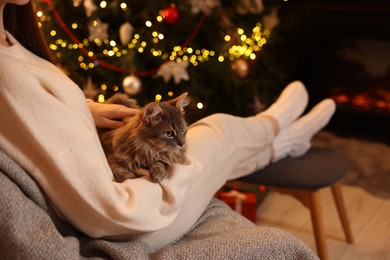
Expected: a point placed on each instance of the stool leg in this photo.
(339, 201)
(318, 224)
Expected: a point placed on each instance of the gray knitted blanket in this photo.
(30, 229)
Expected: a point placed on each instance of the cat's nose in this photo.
(181, 143)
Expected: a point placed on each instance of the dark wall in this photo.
(312, 35)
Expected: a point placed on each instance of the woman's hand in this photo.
(109, 115)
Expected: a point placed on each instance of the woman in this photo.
(50, 131)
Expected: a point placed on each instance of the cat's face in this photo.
(166, 129)
(164, 125)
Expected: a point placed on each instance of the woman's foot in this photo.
(295, 139)
(289, 106)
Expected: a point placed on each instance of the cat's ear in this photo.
(181, 101)
(151, 111)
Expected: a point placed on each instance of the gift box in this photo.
(245, 203)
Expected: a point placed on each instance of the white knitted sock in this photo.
(290, 104)
(295, 140)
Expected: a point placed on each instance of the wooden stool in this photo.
(302, 178)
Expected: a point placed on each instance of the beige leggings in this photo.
(227, 147)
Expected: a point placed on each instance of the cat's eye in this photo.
(169, 134)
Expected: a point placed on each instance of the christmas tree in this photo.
(220, 52)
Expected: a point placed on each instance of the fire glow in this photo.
(367, 101)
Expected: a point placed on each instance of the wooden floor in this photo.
(369, 219)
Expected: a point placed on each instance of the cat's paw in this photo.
(157, 172)
(120, 175)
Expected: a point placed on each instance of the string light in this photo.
(248, 45)
(124, 6)
(101, 98)
(103, 4)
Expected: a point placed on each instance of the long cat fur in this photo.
(149, 142)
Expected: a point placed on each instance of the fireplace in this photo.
(341, 49)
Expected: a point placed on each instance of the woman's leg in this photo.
(239, 145)
(228, 147)
(295, 139)
(289, 106)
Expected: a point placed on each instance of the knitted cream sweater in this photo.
(46, 126)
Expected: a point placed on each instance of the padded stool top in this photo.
(318, 168)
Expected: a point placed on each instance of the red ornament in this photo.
(171, 15)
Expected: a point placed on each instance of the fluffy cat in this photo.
(148, 142)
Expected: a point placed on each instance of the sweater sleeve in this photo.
(47, 128)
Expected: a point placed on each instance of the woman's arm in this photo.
(48, 129)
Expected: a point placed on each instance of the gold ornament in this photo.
(175, 70)
(131, 85)
(98, 30)
(89, 7)
(241, 68)
(125, 33)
